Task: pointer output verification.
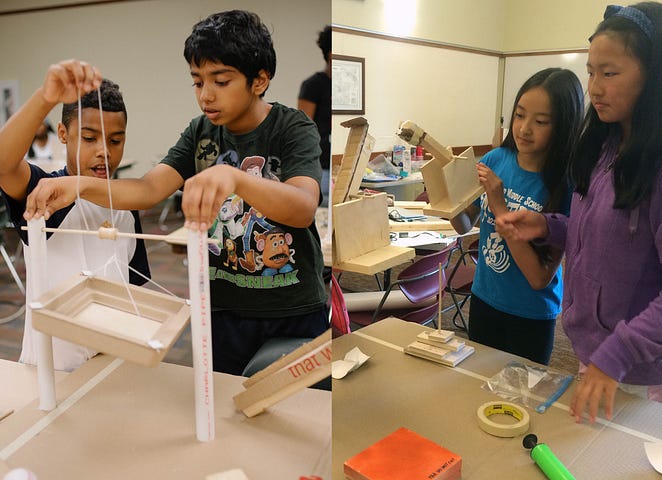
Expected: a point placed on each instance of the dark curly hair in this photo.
(235, 38)
(111, 101)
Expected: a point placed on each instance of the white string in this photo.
(105, 158)
(119, 263)
(78, 200)
(114, 258)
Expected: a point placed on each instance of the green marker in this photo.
(546, 460)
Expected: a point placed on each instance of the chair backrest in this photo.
(427, 264)
(421, 279)
(339, 316)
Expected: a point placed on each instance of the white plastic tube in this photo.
(198, 278)
(37, 276)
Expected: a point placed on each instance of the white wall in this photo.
(140, 46)
(457, 96)
(450, 94)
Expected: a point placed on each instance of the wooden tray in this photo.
(98, 313)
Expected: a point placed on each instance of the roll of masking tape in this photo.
(488, 409)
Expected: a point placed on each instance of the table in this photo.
(118, 420)
(395, 390)
(406, 188)
(23, 381)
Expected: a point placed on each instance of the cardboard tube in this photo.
(368, 301)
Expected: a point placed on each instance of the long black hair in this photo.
(567, 101)
(638, 165)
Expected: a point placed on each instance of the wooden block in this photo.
(435, 337)
(461, 176)
(438, 354)
(415, 135)
(354, 159)
(360, 226)
(359, 169)
(301, 368)
(377, 260)
(452, 188)
(410, 204)
(99, 313)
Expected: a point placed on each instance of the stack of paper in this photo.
(439, 346)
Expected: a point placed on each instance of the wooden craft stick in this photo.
(113, 234)
(37, 275)
(198, 279)
(441, 289)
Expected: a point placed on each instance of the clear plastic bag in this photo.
(534, 387)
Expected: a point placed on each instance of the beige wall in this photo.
(139, 45)
(455, 96)
(497, 25)
(474, 23)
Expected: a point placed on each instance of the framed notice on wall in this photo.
(348, 85)
(8, 99)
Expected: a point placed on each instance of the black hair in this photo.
(49, 129)
(111, 101)
(640, 160)
(235, 38)
(324, 42)
(567, 101)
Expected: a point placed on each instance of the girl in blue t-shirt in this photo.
(516, 293)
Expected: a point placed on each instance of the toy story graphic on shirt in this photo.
(255, 253)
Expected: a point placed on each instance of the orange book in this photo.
(404, 455)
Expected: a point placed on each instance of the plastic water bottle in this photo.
(406, 161)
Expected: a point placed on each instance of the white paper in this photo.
(235, 474)
(534, 377)
(654, 454)
(353, 360)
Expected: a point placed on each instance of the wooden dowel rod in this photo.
(144, 236)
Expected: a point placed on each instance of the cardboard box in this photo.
(404, 455)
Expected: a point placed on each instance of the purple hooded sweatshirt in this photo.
(612, 296)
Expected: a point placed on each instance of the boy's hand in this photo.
(594, 385)
(68, 79)
(493, 187)
(522, 225)
(49, 196)
(204, 195)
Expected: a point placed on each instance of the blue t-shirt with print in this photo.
(498, 280)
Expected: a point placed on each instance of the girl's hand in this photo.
(493, 187)
(68, 79)
(590, 390)
(522, 225)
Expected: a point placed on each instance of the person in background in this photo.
(613, 236)
(46, 149)
(251, 176)
(315, 101)
(70, 254)
(516, 292)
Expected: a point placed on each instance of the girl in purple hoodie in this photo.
(612, 298)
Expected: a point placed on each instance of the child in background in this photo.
(613, 236)
(70, 254)
(264, 157)
(516, 292)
